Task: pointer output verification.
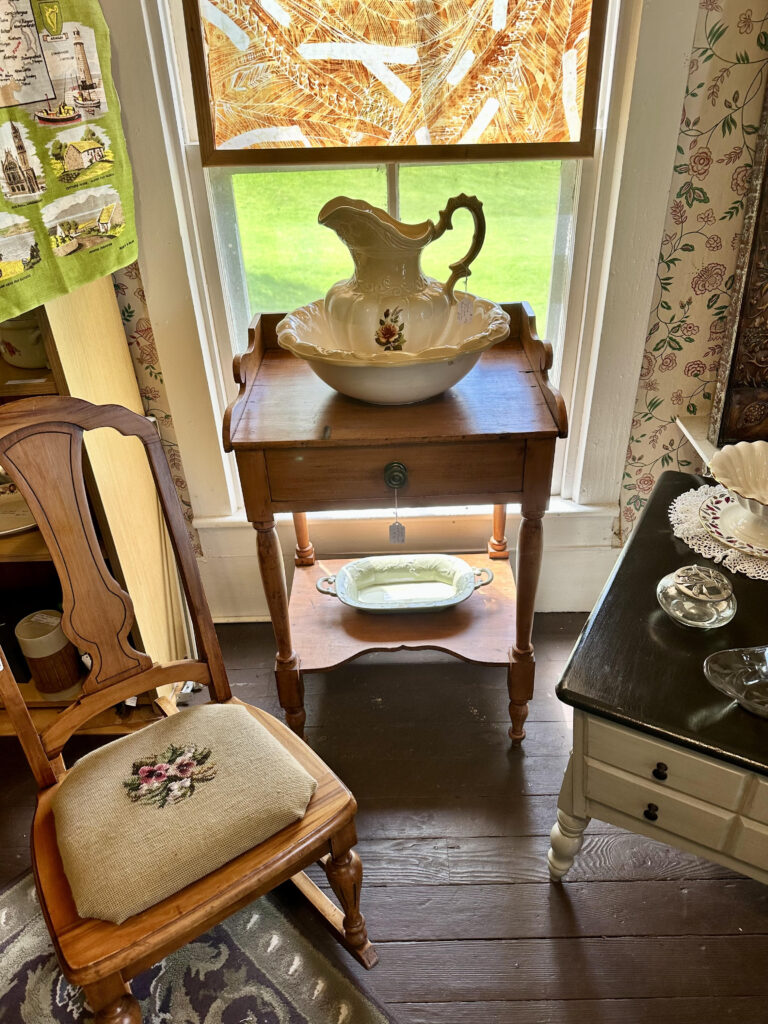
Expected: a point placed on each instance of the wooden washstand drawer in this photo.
(442, 470)
(666, 766)
(751, 843)
(757, 808)
(652, 805)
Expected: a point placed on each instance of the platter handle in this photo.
(331, 589)
(480, 582)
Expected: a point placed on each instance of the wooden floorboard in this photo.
(738, 1009)
(460, 816)
(446, 912)
(656, 967)
(454, 827)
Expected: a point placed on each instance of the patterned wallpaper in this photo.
(697, 258)
(141, 344)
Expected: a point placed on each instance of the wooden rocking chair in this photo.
(41, 443)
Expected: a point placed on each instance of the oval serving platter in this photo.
(404, 583)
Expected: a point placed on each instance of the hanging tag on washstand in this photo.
(465, 307)
(396, 529)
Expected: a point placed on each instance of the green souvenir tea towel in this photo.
(66, 197)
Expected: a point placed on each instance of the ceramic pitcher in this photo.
(389, 304)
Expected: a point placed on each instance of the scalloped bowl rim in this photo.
(725, 474)
(495, 329)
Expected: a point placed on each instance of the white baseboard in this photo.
(578, 551)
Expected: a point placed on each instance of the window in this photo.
(277, 225)
(610, 216)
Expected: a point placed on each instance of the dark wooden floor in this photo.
(454, 828)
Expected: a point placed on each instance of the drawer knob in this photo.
(651, 812)
(660, 771)
(395, 475)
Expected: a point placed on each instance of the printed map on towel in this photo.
(66, 196)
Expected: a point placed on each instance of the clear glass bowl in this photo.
(741, 673)
(697, 596)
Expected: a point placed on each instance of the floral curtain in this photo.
(149, 374)
(697, 259)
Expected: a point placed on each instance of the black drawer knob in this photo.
(660, 771)
(651, 812)
(395, 475)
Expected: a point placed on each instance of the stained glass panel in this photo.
(301, 80)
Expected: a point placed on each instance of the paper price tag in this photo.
(48, 620)
(465, 310)
(397, 533)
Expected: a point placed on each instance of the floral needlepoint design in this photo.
(171, 776)
(390, 332)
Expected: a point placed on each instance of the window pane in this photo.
(520, 206)
(289, 258)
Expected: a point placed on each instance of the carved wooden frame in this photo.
(740, 407)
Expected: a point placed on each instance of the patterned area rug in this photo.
(254, 968)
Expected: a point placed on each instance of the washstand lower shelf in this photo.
(480, 629)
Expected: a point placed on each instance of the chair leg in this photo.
(345, 875)
(112, 1002)
(344, 870)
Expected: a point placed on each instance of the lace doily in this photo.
(686, 524)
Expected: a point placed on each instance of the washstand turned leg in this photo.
(497, 545)
(305, 551)
(522, 666)
(290, 686)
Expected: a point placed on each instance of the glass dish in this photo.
(697, 596)
(741, 673)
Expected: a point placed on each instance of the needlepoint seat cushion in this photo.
(143, 817)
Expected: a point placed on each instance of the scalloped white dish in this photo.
(729, 522)
(743, 469)
(404, 583)
(396, 377)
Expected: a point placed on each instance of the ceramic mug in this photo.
(21, 342)
(52, 658)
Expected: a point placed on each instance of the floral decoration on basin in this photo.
(390, 333)
(388, 374)
(169, 777)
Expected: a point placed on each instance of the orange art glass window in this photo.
(300, 80)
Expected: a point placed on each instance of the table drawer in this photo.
(675, 813)
(757, 807)
(436, 470)
(751, 844)
(712, 781)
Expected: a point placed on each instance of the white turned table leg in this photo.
(567, 833)
(566, 838)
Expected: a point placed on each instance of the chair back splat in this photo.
(41, 449)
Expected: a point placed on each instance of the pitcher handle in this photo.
(461, 267)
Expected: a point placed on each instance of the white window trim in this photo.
(613, 272)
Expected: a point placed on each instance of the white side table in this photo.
(656, 749)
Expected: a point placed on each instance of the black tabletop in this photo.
(636, 666)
